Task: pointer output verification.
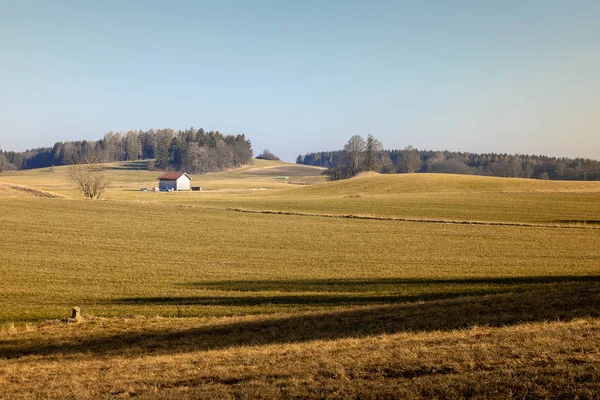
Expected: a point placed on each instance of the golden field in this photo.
(472, 286)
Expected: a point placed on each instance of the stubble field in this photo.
(495, 292)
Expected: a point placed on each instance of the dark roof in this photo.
(172, 176)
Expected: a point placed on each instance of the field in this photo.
(379, 286)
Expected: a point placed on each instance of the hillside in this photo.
(285, 169)
(285, 293)
(376, 184)
(127, 177)
(411, 196)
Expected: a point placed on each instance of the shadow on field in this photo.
(560, 301)
(129, 166)
(344, 292)
(384, 284)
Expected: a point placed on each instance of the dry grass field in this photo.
(185, 296)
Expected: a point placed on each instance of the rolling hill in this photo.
(189, 295)
(377, 184)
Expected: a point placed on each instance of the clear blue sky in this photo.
(296, 76)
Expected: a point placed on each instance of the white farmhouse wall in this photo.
(183, 183)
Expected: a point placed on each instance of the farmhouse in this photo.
(175, 181)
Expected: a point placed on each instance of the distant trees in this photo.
(438, 163)
(5, 165)
(337, 168)
(358, 155)
(192, 150)
(372, 151)
(386, 166)
(267, 155)
(132, 146)
(354, 154)
(90, 179)
(162, 146)
(410, 160)
(199, 151)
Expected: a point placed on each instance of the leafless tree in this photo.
(90, 179)
(5, 165)
(355, 152)
(385, 164)
(132, 146)
(411, 160)
(373, 149)
(198, 158)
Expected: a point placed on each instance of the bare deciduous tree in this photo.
(373, 149)
(411, 160)
(5, 165)
(355, 153)
(90, 179)
(385, 164)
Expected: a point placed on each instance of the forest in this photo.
(191, 150)
(361, 155)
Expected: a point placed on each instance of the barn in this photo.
(175, 181)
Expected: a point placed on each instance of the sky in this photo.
(298, 76)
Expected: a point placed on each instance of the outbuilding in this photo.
(175, 181)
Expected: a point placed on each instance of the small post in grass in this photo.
(76, 315)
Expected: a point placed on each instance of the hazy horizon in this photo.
(300, 77)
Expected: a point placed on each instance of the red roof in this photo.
(172, 176)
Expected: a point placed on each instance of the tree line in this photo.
(368, 155)
(191, 150)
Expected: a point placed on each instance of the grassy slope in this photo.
(430, 196)
(128, 177)
(126, 258)
(443, 183)
(283, 305)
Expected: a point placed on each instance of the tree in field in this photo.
(90, 179)
(373, 148)
(358, 155)
(354, 152)
(267, 155)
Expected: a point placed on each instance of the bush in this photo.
(90, 179)
(267, 155)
